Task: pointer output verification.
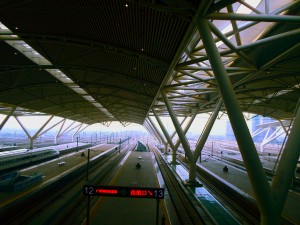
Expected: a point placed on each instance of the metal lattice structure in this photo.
(101, 61)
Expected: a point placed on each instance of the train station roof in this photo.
(100, 61)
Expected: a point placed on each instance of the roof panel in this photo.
(117, 58)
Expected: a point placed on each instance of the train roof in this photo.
(22, 151)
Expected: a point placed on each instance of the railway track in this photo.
(231, 199)
(187, 212)
(63, 202)
(103, 177)
(242, 204)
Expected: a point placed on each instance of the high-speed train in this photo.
(15, 158)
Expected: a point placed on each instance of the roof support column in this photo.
(158, 134)
(169, 140)
(7, 117)
(174, 133)
(150, 129)
(285, 171)
(258, 180)
(153, 129)
(76, 132)
(177, 126)
(58, 133)
(184, 142)
(66, 130)
(26, 132)
(185, 130)
(37, 134)
(207, 129)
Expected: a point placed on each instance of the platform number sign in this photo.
(130, 192)
(159, 193)
(89, 190)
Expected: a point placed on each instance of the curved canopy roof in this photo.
(100, 61)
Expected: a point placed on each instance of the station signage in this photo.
(129, 192)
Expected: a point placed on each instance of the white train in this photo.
(14, 158)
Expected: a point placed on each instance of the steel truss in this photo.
(247, 59)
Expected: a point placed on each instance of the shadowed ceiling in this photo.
(116, 55)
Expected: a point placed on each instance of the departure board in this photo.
(129, 192)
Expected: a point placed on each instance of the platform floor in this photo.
(239, 179)
(131, 211)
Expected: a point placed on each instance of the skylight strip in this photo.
(68, 82)
(3, 27)
(279, 93)
(37, 58)
(22, 46)
(29, 52)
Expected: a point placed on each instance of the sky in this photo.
(34, 123)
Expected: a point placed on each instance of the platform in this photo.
(218, 213)
(130, 211)
(239, 179)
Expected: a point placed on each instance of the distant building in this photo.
(258, 120)
(253, 126)
(229, 132)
